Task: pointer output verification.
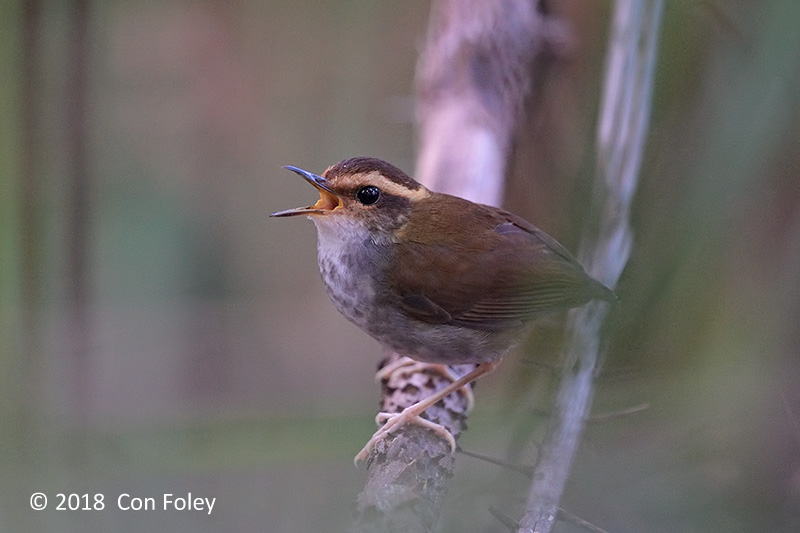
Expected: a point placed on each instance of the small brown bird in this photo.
(435, 277)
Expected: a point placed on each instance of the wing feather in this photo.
(512, 273)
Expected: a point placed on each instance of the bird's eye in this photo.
(368, 194)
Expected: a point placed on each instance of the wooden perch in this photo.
(409, 471)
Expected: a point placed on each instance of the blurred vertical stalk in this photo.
(621, 134)
(78, 202)
(29, 219)
(472, 81)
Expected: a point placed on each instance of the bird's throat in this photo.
(349, 263)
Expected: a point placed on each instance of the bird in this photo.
(433, 277)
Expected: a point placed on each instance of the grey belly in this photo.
(356, 298)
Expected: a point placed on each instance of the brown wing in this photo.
(490, 270)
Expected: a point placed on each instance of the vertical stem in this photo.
(30, 230)
(78, 200)
(621, 136)
(472, 82)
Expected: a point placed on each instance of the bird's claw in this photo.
(394, 421)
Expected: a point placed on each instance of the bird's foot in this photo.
(394, 421)
(411, 414)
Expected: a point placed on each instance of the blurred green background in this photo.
(160, 334)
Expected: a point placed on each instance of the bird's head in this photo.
(367, 192)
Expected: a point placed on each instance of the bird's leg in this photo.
(411, 414)
(406, 366)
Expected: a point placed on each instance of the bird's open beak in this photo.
(328, 200)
